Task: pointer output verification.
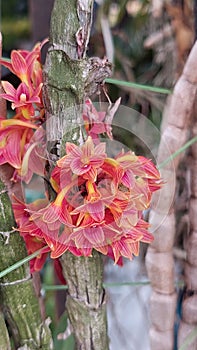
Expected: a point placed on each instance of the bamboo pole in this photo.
(189, 306)
(159, 259)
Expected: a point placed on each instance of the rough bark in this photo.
(159, 259)
(18, 302)
(86, 300)
(69, 77)
(189, 314)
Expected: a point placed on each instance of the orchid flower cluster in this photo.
(99, 200)
(16, 133)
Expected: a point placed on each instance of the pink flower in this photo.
(32, 236)
(94, 204)
(26, 65)
(99, 122)
(127, 244)
(14, 134)
(97, 236)
(52, 216)
(84, 160)
(22, 96)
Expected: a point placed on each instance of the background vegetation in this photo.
(147, 49)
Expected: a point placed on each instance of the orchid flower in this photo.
(14, 134)
(84, 160)
(26, 65)
(98, 200)
(22, 95)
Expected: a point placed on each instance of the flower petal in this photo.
(9, 88)
(94, 235)
(96, 210)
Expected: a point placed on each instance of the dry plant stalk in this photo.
(159, 259)
(189, 306)
(157, 7)
(182, 19)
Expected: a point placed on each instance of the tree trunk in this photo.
(19, 303)
(4, 336)
(86, 300)
(68, 78)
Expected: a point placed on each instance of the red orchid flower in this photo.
(29, 232)
(14, 134)
(84, 160)
(26, 65)
(102, 212)
(99, 200)
(96, 236)
(127, 243)
(94, 204)
(22, 96)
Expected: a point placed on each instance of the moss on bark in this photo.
(66, 75)
(18, 300)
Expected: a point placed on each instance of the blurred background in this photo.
(148, 42)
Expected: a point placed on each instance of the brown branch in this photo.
(159, 259)
(69, 78)
(189, 319)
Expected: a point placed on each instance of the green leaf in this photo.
(138, 86)
(21, 262)
(105, 285)
(175, 154)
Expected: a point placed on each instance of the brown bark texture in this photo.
(159, 259)
(69, 77)
(189, 306)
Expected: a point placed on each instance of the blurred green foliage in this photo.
(130, 24)
(13, 31)
(57, 326)
(13, 8)
(15, 23)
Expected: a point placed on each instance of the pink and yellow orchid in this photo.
(99, 200)
(14, 134)
(23, 97)
(29, 232)
(102, 212)
(84, 160)
(26, 65)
